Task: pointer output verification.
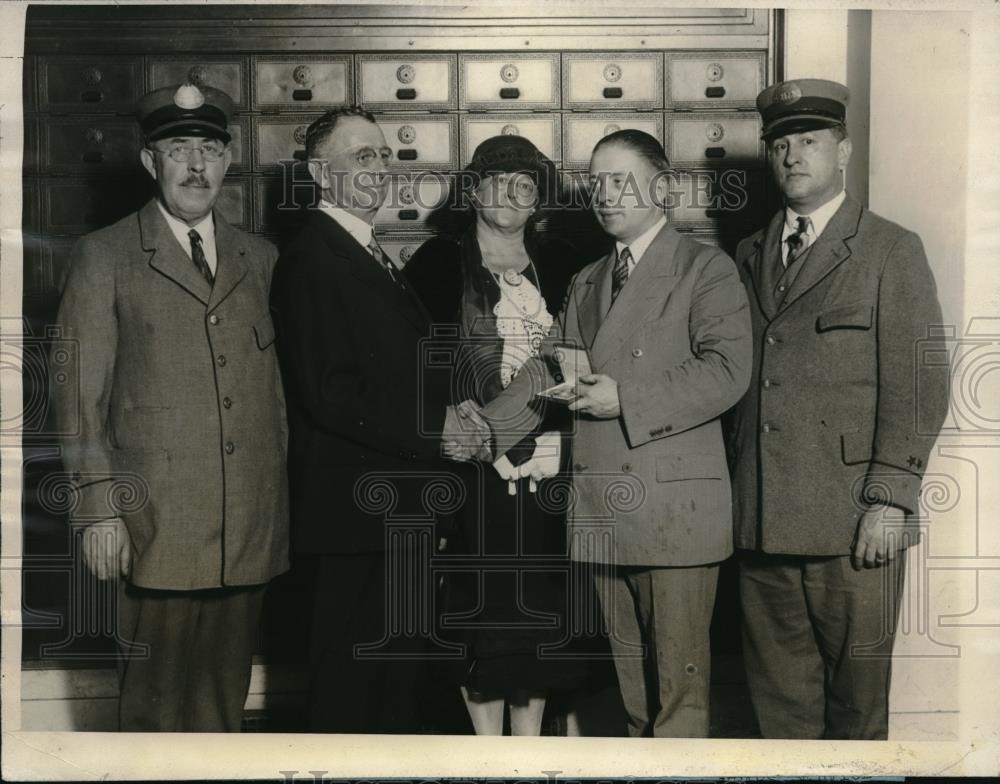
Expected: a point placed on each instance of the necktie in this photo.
(619, 275)
(376, 250)
(198, 257)
(797, 242)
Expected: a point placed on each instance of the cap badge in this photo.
(789, 94)
(188, 96)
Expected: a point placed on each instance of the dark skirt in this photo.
(513, 600)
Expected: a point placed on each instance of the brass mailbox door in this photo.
(508, 81)
(89, 84)
(714, 139)
(414, 81)
(421, 141)
(723, 80)
(302, 83)
(612, 80)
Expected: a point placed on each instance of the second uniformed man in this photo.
(826, 454)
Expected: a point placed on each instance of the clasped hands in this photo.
(466, 434)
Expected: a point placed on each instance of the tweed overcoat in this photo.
(841, 410)
(176, 419)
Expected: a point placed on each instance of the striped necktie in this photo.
(798, 241)
(376, 250)
(198, 257)
(619, 275)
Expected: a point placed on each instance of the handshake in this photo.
(466, 434)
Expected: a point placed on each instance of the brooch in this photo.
(513, 277)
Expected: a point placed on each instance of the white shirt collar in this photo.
(205, 227)
(819, 217)
(642, 242)
(352, 224)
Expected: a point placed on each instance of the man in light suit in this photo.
(666, 326)
(829, 445)
(178, 465)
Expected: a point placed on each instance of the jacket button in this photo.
(227, 403)
(230, 447)
(637, 352)
(766, 428)
(627, 468)
(771, 340)
(782, 288)
(221, 361)
(766, 383)
(213, 319)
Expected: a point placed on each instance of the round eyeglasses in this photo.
(181, 153)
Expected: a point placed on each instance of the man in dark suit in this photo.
(665, 324)
(179, 464)
(828, 447)
(361, 409)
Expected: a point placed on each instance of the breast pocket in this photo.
(856, 316)
(263, 330)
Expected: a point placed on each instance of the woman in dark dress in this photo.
(500, 285)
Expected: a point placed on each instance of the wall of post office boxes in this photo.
(84, 68)
(81, 143)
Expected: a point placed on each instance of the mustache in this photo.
(196, 180)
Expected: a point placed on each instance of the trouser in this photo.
(658, 621)
(186, 657)
(360, 691)
(817, 642)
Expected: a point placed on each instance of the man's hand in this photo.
(598, 396)
(466, 434)
(107, 549)
(880, 536)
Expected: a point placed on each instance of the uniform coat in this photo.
(180, 425)
(838, 409)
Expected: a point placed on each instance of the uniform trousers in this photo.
(817, 643)
(658, 621)
(185, 657)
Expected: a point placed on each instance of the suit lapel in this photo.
(590, 309)
(829, 250)
(360, 263)
(648, 286)
(762, 264)
(231, 252)
(167, 256)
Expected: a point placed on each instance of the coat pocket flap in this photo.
(263, 330)
(676, 468)
(857, 316)
(856, 447)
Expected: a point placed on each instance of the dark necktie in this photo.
(619, 275)
(797, 241)
(198, 257)
(384, 261)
